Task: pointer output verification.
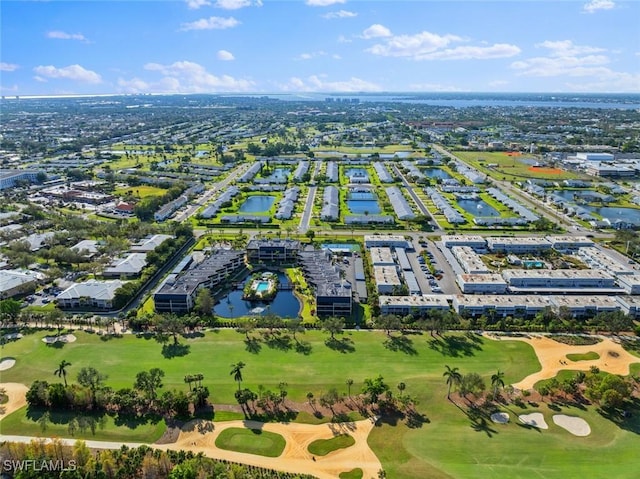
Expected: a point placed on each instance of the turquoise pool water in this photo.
(262, 286)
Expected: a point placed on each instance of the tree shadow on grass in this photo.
(56, 345)
(402, 344)
(455, 346)
(303, 347)
(415, 420)
(627, 418)
(252, 345)
(344, 345)
(278, 341)
(170, 351)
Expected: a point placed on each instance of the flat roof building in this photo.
(475, 242)
(482, 283)
(469, 260)
(386, 278)
(403, 305)
(500, 305)
(517, 244)
(381, 256)
(396, 241)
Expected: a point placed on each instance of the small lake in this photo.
(360, 207)
(436, 173)
(257, 204)
(285, 304)
(397, 154)
(613, 213)
(571, 195)
(478, 208)
(279, 175)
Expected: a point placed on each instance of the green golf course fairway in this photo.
(447, 444)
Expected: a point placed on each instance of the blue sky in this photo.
(206, 46)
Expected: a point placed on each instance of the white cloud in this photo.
(60, 35)
(211, 23)
(323, 3)
(564, 58)
(343, 39)
(499, 50)
(375, 31)
(310, 55)
(72, 72)
(412, 45)
(563, 48)
(340, 14)
(236, 4)
(185, 77)
(431, 46)
(195, 4)
(316, 83)
(498, 83)
(595, 5)
(225, 55)
(8, 67)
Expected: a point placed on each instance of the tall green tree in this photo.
(497, 382)
(61, 372)
(454, 378)
(204, 302)
(149, 382)
(236, 372)
(333, 326)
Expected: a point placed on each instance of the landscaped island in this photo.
(261, 287)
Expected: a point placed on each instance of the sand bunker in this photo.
(17, 398)
(12, 336)
(200, 436)
(553, 357)
(65, 338)
(575, 425)
(535, 419)
(7, 363)
(500, 417)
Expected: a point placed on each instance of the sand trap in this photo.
(12, 336)
(16, 393)
(535, 419)
(7, 363)
(65, 338)
(500, 417)
(199, 437)
(575, 425)
(552, 356)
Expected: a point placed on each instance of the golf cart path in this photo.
(553, 357)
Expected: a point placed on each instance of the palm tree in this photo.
(236, 372)
(349, 384)
(453, 378)
(497, 381)
(61, 372)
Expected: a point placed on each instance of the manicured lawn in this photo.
(322, 447)
(352, 474)
(445, 444)
(511, 167)
(322, 368)
(140, 191)
(251, 441)
(590, 356)
(24, 422)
